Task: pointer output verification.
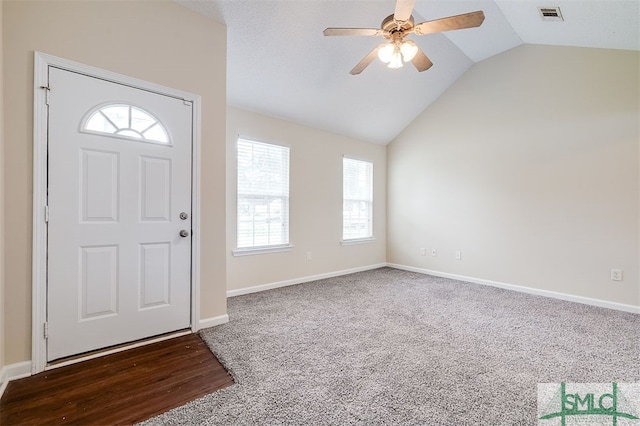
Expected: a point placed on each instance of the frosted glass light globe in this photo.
(409, 50)
(385, 53)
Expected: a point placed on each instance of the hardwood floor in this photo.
(121, 388)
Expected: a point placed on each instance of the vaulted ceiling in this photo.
(280, 64)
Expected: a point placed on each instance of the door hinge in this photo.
(46, 214)
(46, 96)
(45, 329)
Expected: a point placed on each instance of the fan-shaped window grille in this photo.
(127, 122)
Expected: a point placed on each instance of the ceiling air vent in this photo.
(550, 14)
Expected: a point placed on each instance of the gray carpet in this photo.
(395, 347)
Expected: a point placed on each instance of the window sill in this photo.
(261, 250)
(357, 241)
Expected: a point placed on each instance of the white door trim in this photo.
(42, 62)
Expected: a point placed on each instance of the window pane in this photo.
(357, 211)
(140, 120)
(356, 219)
(99, 123)
(263, 194)
(261, 222)
(263, 169)
(156, 133)
(118, 114)
(129, 133)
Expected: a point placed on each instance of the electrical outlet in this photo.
(616, 275)
(308, 255)
(434, 252)
(458, 255)
(423, 251)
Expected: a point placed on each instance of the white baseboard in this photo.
(263, 287)
(522, 289)
(13, 372)
(213, 321)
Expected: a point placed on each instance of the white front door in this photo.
(119, 203)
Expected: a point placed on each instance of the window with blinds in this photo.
(357, 199)
(263, 195)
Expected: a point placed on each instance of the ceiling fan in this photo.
(396, 27)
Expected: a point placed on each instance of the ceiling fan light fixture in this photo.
(396, 60)
(395, 51)
(385, 53)
(409, 50)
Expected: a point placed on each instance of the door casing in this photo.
(42, 62)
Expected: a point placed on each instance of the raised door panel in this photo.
(155, 189)
(98, 282)
(99, 189)
(155, 275)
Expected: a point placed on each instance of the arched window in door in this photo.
(127, 122)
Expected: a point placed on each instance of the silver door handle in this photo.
(184, 233)
(184, 215)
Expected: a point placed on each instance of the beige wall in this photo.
(157, 41)
(529, 165)
(315, 202)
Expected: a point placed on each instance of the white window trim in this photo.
(355, 241)
(251, 251)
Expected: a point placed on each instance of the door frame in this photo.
(42, 62)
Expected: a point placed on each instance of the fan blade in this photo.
(458, 22)
(366, 61)
(421, 62)
(353, 32)
(403, 10)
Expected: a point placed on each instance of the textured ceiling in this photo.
(280, 64)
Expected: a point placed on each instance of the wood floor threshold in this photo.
(113, 349)
(122, 388)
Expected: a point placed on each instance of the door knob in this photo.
(184, 215)
(184, 233)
